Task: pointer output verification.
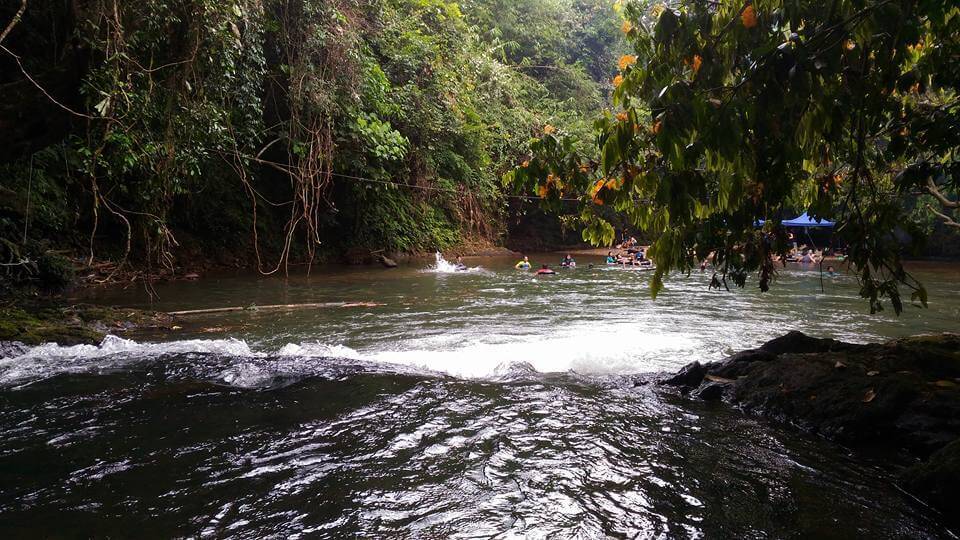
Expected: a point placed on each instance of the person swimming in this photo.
(459, 265)
(524, 264)
(545, 271)
(610, 258)
(568, 262)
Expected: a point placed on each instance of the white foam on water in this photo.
(50, 359)
(317, 349)
(619, 349)
(443, 266)
(592, 349)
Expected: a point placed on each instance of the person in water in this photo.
(459, 264)
(545, 271)
(524, 264)
(830, 271)
(610, 258)
(568, 262)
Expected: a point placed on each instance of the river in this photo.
(426, 403)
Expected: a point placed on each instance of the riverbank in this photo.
(899, 397)
(39, 323)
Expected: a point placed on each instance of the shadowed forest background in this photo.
(173, 132)
(167, 135)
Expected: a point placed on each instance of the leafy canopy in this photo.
(729, 112)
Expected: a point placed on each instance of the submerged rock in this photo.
(903, 394)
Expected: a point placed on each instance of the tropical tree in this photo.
(732, 111)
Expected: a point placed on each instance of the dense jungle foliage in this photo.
(736, 111)
(278, 131)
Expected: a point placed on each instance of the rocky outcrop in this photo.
(937, 479)
(72, 325)
(904, 394)
(689, 376)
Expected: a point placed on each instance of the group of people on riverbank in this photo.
(632, 257)
(803, 255)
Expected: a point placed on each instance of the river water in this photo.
(426, 403)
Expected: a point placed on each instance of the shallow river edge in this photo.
(896, 398)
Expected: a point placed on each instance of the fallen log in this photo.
(274, 307)
(387, 262)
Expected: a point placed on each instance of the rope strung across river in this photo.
(274, 307)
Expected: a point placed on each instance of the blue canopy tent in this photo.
(805, 222)
(802, 221)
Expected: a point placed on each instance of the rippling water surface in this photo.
(481, 404)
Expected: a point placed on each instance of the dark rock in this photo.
(929, 433)
(739, 364)
(752, 355)
(798, 342)
(689, 376)
(902, 396)
(937, 480)
(710, 391)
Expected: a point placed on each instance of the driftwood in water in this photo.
(275, 307)
(387, 262)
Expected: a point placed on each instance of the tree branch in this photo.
(947, 220)
(42, 89)
(15, 20)
(932, 189)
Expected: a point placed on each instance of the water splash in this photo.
(443, 266)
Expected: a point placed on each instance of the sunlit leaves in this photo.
(764, 110)
(626, 61)
(748, 17)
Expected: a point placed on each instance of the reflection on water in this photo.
(591, 320)
(485, 404)
(357, 451)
